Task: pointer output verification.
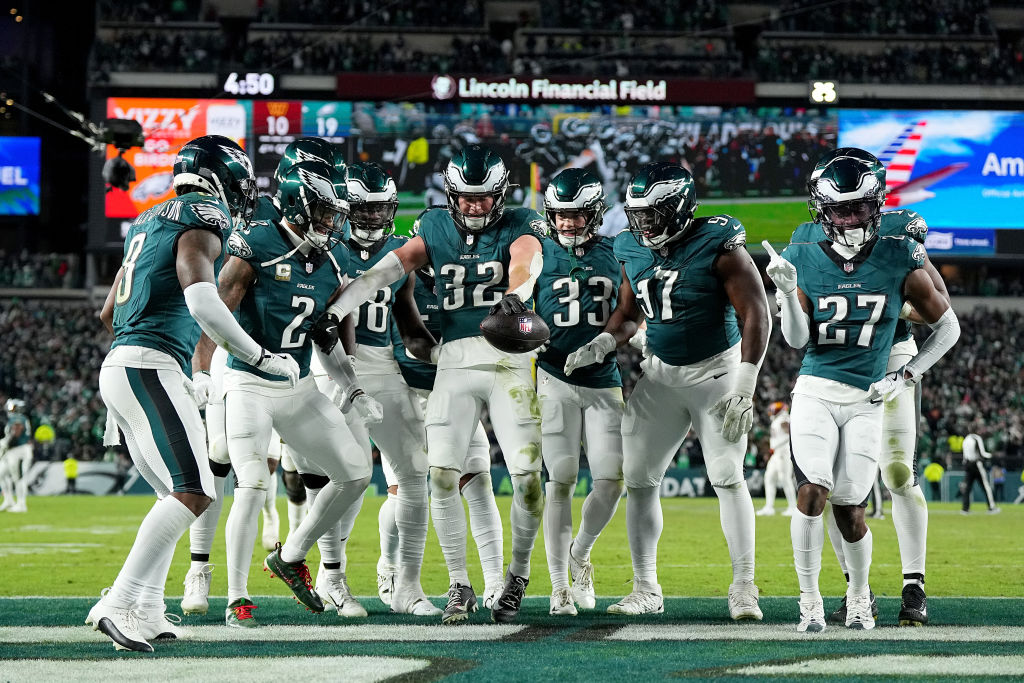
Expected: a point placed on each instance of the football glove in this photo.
(510, 304)
(325, 332)
(736, 411)
(201, 386)
(279, 364)
(892, 385)
(639, 342)
(369, 410)
(781, 271)
(590, 353)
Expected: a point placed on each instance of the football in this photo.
(517, 333)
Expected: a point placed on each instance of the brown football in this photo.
(516, 333)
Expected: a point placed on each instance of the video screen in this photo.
(19, 176)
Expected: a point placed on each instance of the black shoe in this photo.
(839, 615)
(461, 601)
(506, 607)
(914, 608)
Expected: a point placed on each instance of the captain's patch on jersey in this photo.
(283, 272)
(237, 246)
(211, 214)
(735, 242)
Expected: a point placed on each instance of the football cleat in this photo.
(197, 590)
(561, 603)
(506, 608)
(640, 601)
(239, 614)
(296, 576)
(858, 612)
(839, 615)
(491, 594)
(743, 601)
(156, 624)
(335, 591)
(992, 511)
(461, 601)
(812, 614)
(122, 626)
(413, 601)
(271, 523)
(385, 581)
(914, 606)
(582, 582)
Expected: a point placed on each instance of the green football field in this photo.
(58, 557)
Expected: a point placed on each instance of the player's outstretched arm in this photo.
(197, 252)
(415, 335)
(394, 264)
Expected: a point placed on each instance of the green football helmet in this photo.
(476, 172)
(310, 149)
(660, 202)
(847, 198)
(373, 195)
(575, 192)
(15, 405)
(847, 152)
(216, 165)
(308, 199)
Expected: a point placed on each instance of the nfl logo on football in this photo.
(525, 325)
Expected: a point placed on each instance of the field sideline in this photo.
(66, 549)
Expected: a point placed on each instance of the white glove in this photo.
(737, 414)
(592, 352)
(639, 342)
(370, 411)
(201, 387)
(892, 385)
(781, 271)
(279, 364)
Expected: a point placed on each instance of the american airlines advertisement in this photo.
(959, 169)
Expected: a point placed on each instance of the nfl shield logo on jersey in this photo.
(525, 325)
(309, 267)
(848, 267)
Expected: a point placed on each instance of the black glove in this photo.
(510, 304)
(325, 332)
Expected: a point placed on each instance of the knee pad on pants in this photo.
(526, 488)
(443, 482)
(724, 473)
(252, 474)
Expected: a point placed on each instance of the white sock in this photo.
(158, 534)
(524, 520)
(240, 532)
(858, 556)
(388, 531)
(808, 535)
(152, 596)
(270, 502)
(411, 517)
(21, 491)
(644, 523)
(485, 522)
(598, 510)
(770, 487)
(789, 488)
(344, 529)
(296, 513)
(910, 517)
(835, 537)
(558, 531)
(202, 531)
(330, 553)
(450, 525)
(331, 503)
(736, 511)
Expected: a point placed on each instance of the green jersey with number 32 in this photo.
(689, 315)
(149, 304)
(373, 317)
(288, 294)
(576, 310)
(854, 305)
(472, 271)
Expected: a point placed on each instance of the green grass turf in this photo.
(770, 220)
(75, 545)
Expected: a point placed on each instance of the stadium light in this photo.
(824, 92)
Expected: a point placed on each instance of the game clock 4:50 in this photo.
(251, 83)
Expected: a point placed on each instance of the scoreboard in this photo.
(275, 123)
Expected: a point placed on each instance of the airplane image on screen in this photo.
(899, 157)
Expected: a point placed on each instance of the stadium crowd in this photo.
(55, 348)
(31, 270)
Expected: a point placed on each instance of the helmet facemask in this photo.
(373, 221)
(660, 203)
(308, 198)
(326, 226)
(655, 228)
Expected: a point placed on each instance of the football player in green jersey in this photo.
(898, 460)
(692, 278)
(15, 456)
(486, 258)
(280, 277)
(848, 289)
(163, 294)
(589, 308)
(201, 535)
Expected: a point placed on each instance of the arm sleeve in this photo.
(338, 367)
(219, 325)
(796, 326)
(945, 332)
(383, 273)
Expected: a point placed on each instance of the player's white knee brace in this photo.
(252, 474)
(219, 450)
